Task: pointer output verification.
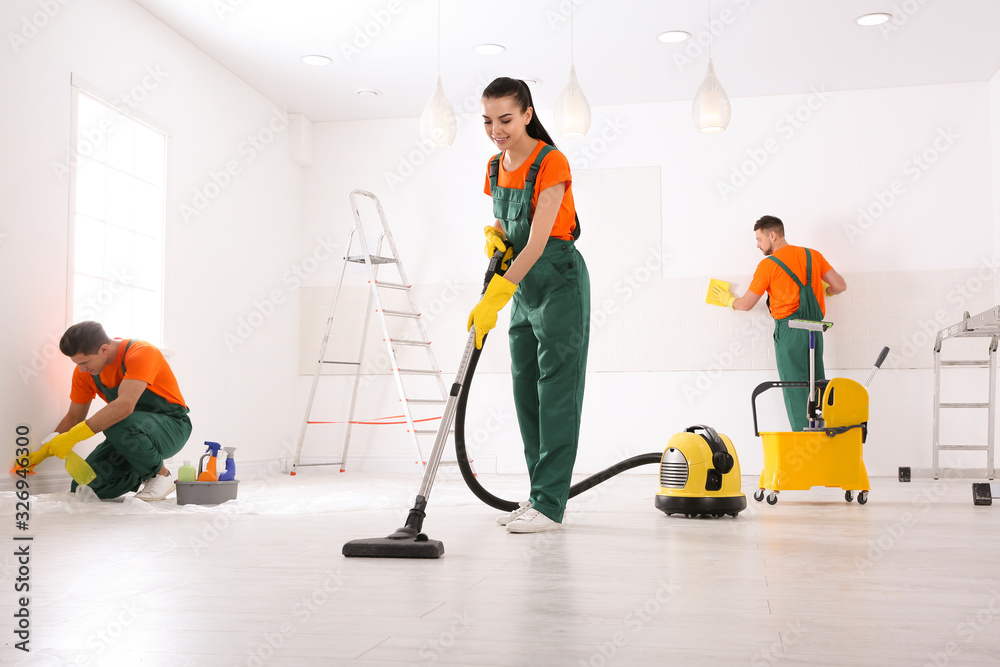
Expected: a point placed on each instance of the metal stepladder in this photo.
(415, 339)
(984, 325)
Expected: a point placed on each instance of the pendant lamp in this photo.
(572, 112)
(711, 109)
(437, 122)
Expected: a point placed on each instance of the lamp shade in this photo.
(711, 109)
(572, 112)
(437, 123)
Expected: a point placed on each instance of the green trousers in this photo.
(549, 336)
(791, 350)
(134, 450)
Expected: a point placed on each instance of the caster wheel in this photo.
(772, 498)
(758, 495)
(862, 497)
(690, 516)
(734, 514)
(849, 496)
(718, 515)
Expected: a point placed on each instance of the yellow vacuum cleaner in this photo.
(700, 474)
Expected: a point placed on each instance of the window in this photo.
(117, 217)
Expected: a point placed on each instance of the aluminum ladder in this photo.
(372, 262)
(984, 325)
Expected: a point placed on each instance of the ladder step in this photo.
(427, 401)
(964, 448)
(346, 363)
(965, 363)
(429, 431)
(382, 283)
(419, 343)
(360, 259)
(399, 313)
(416, 371)
(963, 405)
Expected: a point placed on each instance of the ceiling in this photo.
(759, 47)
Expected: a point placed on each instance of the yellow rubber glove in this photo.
(497, 240)
(826, 288)
(723, 296)
(484, 315)
(63, 444)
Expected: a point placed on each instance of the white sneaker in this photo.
(532, 521)
(507, 517)
(157, 487)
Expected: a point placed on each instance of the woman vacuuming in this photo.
(536, 226)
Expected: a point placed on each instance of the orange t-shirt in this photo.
(143, 362)
(780, 287)
(553, 171)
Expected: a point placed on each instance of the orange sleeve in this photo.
(762, 277)
(555, 170)
(142, 362)
(82, 390)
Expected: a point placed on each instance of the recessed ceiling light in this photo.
(367, 92)
(489, 49)
(316, 60)
(878, 18)
(673, 36)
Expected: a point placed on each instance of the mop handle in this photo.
(878, 364)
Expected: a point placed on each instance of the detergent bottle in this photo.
(78, 469)
(187, 473)
(208, 473)
(230, 473)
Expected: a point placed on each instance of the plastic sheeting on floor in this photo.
(306, 493)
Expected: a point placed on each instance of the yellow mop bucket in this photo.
(827, 455)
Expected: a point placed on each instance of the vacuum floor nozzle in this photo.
(397, 545)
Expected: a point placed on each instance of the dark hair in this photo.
(520, 94)
(83, 338)
(769, 223)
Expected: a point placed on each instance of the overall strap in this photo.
(788, 270)
(529, 180)
(495, 170)
(127, 346)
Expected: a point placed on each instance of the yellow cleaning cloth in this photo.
(710, 298)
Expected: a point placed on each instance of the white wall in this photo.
(893, 186)
(220, 260)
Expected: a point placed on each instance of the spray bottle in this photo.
(230, 473)
(209, 474)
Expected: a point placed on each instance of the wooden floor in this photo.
(911, 578)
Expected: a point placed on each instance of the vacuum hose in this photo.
(463, 457)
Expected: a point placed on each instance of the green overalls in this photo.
(134, 449)
(791, 347)
(549, 333)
